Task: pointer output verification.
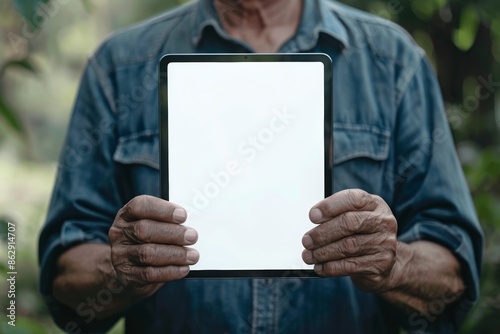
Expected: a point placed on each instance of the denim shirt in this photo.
(391, 138)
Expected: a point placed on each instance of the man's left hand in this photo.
(356, 237)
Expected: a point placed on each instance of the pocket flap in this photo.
(139, 148)
(359, 141)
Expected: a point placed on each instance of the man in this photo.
(398, 243)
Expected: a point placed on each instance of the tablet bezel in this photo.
(246, 57)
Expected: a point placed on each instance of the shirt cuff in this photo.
(65, 317)
(457, 241)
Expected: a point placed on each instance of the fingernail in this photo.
(318, 268)
(307, 241)
(184, 270)
(190, 235)
(192, 256)
(307, 256)
(179, 215)
(315, 215)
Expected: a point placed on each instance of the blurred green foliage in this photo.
(44, 48)
(6, 111)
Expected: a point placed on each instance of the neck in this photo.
(258, 14)
(263, 24)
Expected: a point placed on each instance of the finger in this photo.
(375, 264)
(154, 208)
(341, 202)
(150, 275)
(149, 231)
(349, 223)
(162, 255)
(351, 246)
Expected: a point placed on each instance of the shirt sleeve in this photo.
(85, 198)
(431, 198)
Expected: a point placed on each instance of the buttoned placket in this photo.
(264, 317)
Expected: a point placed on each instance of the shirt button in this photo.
(267, 282)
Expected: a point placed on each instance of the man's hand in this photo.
(148, 244)
(147, 248)
(356, 237)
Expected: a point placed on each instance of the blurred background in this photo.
(45, 44)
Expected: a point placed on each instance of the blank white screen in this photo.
(246, 158)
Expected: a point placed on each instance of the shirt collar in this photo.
(316, 18)
(206, 16)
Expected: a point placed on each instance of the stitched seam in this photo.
(361, 127)
(107, 90)
(410, 74)
(145, 133)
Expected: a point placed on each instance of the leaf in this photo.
(465, 36)
(25, 64)
(12, 120)
(6, 112)
(32, 11)
(424, 10)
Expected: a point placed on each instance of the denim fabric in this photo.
(391, 138)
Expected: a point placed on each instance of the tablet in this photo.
(246, 148)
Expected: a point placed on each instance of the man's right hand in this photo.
(147, 247)
(148, 244)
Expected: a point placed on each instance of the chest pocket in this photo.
(360, 160)
(138, 162)
(360, 157)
